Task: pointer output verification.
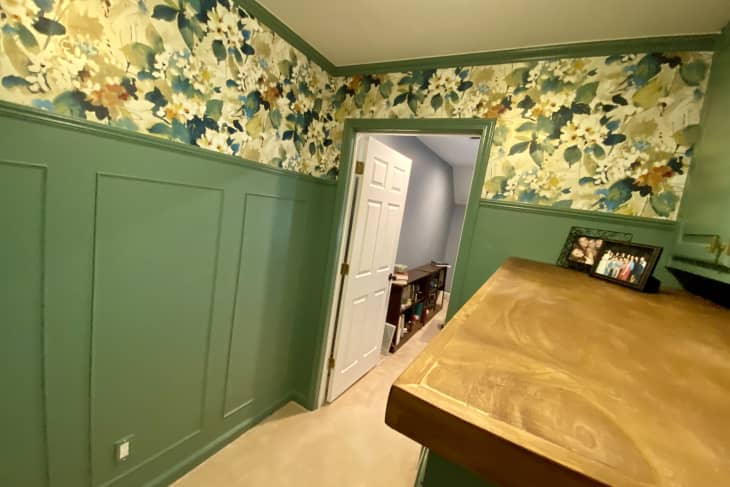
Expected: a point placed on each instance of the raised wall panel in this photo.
(267, 304)
(155, 259)
(22, 417)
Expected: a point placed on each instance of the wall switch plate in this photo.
(122, 449)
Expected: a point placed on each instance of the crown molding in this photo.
(704, 42)
(541, 53)
(283, 31)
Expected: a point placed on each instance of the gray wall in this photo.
(452, 241)
(429, 204)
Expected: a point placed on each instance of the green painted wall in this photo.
(708, 191)
(22, 210)
(504, 230)
(172, 295)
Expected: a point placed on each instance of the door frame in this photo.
(483, 127)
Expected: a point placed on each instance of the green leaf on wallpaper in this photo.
(359, 98)
(544, 124)
(186, 31)
(496, 185)
(139, 55)
(157, 98)
(437, 101)
(219, 50)
(614, 139)
(586, 93)
(385, 88)
(517, 77)
(572, 155)
(646, 69)
(14, 54)
(69, 103)
(527, 127)
(160, 129)
(413, 100)
(564, 204)
(536, 153)
(585, 180)
(553, 83)
(45, 5)
(180, 132)
(693, 73)
(688, 136)
(163, 12)
(124, 123)
(500, 135)
(648, 96)
(519, 148)
(285, 68)
(14, 81)
(664, 203)
(400, 99)
(26, 37)
(213, 109)
(275, 118)
(49, 27)
(618, 194)
(598, 151)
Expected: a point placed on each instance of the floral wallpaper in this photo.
(612, 134)
(200, 72)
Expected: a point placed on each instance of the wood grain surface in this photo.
(549, 376)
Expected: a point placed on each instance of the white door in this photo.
(377, 218)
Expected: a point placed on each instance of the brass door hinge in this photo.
(359, 167)
(345, 269)
(331, 363)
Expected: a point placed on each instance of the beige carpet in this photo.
(344, 444)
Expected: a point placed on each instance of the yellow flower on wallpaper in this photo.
(611, 134)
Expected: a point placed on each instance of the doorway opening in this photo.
(407, 200)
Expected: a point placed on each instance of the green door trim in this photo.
(12, 110)
(482, 127)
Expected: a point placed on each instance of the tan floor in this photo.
(344, 444)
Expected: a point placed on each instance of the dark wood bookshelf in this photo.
(425, 286)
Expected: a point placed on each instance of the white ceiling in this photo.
(368, 31)
(456, 150)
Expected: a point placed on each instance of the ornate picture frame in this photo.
(583, 245)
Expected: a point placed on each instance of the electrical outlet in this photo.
(122, 449)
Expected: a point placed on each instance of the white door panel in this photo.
(376, 227)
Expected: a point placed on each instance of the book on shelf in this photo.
(399, 329)
(438, 263)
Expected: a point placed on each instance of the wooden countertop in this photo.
(547, 376)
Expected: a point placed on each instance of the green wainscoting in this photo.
(508, 229)
(22, 421)
(148, 290)
(177, 296)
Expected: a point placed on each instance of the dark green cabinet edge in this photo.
(582, 214)
(702, 42)
(29, 114)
